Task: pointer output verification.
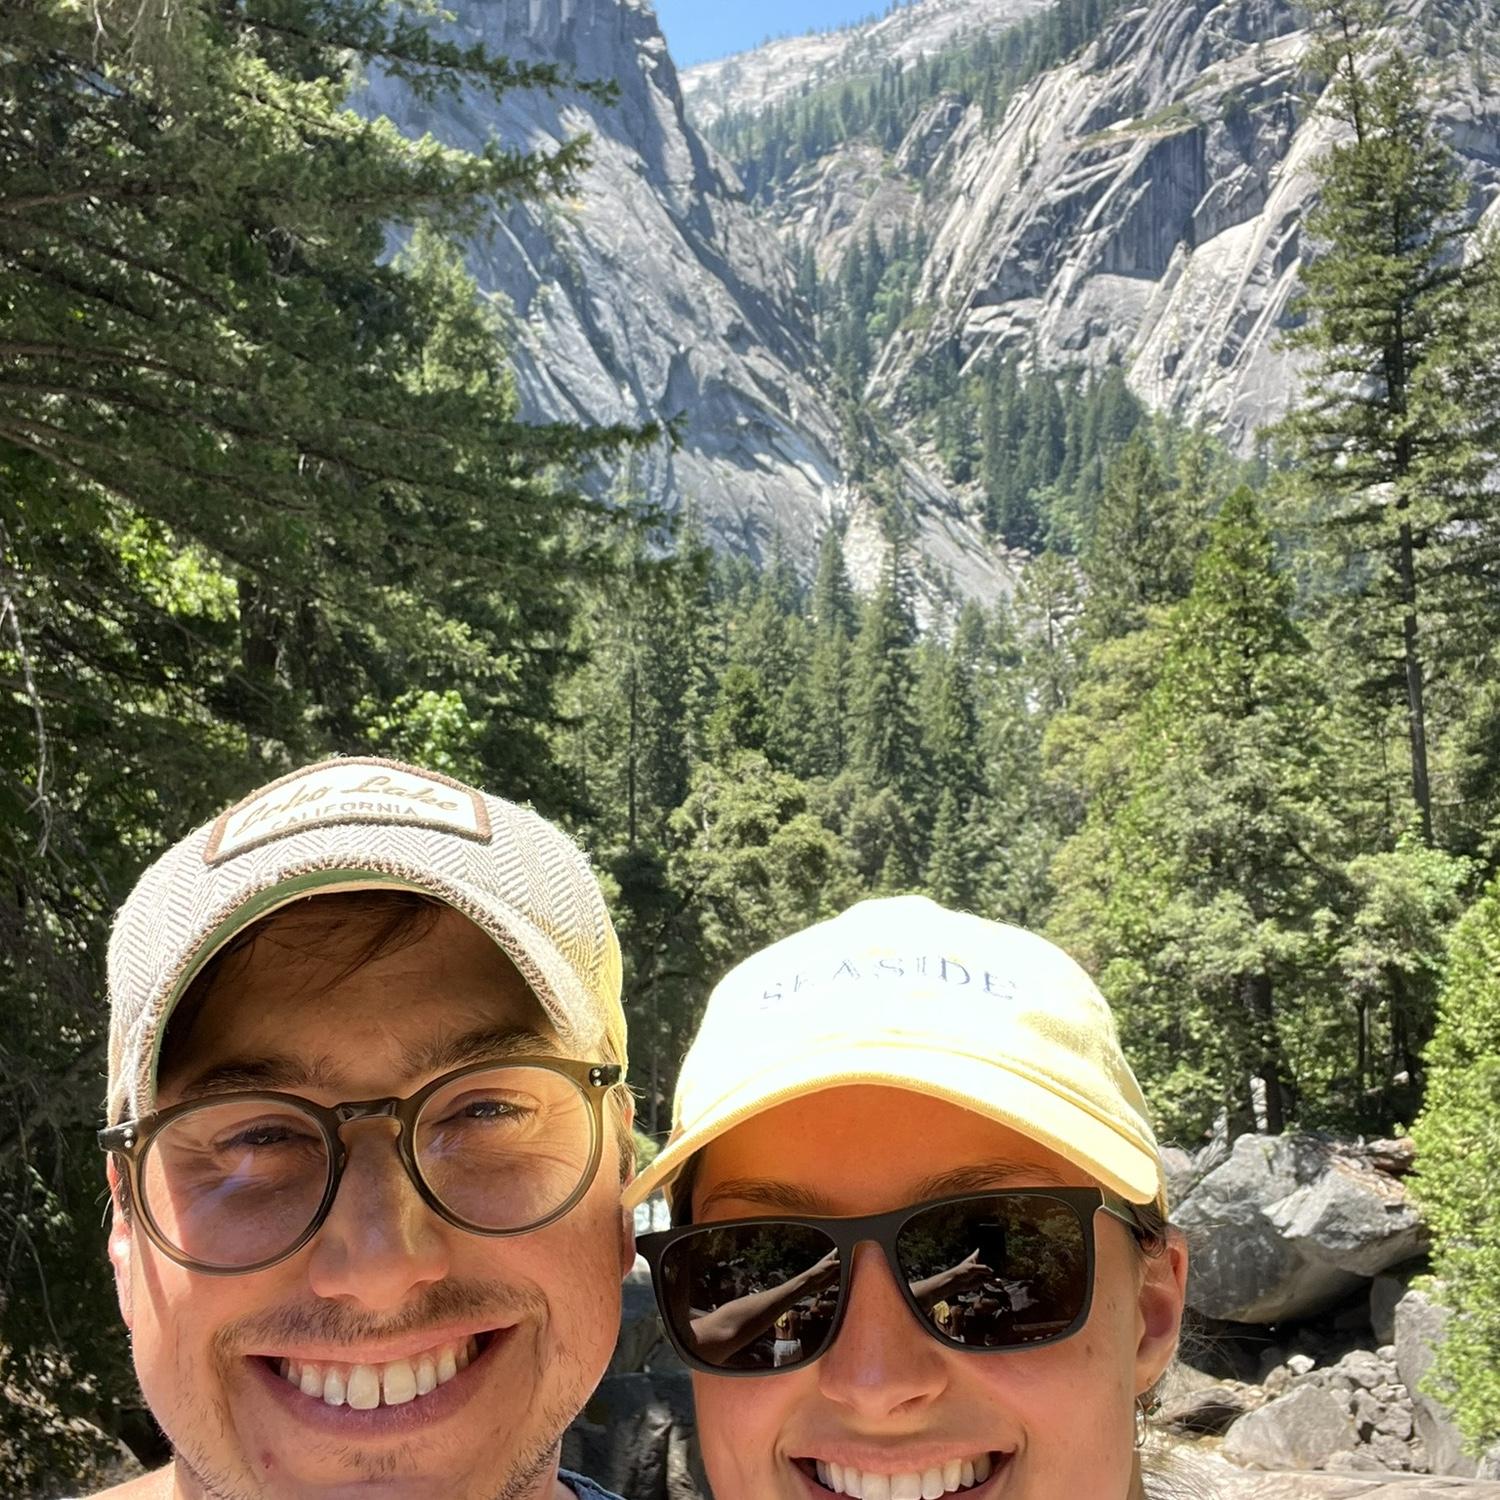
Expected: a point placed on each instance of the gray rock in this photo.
(1244, 1266)
(1210, 1409)
(642, 1345)
(1352, 1218)
(1301, 1430)
(1386, 1290)
(1419, 1331)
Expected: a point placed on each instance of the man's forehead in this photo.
(290, 1011)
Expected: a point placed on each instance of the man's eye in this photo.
(257, 1137)
(491, 1109)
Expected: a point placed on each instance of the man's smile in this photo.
(365, 1385)
(371, 1396)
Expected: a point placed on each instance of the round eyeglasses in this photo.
(237, 1182)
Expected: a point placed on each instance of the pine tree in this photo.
(1142, 545)
(1458, 1148)
(833, 626)
(1399, 428)
(884, 741)
(1206, 857)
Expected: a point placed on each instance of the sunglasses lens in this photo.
(998, 1273)
(751, 1296)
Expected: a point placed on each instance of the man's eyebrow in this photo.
(767, 1193)
(483, 1044)
(280, 1073)
(987, 1176)
(251, 1074)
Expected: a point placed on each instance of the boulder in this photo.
(1351, 1217)
(1420, 1322)
(1211, 1409)
(1288, 1227)
(1386, 1290)
(636, 1437)
(641, 1345)
(1301, 1430)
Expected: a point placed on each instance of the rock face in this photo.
(1148, 198)
(1301, 1430)
(1288, 1226)
(655, 294)
(767, 75)
(1144, 199)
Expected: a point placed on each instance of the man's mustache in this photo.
(489, 1303)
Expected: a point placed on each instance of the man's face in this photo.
(386, 1281)
(887, 1400)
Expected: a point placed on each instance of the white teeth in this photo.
(398, 1383)
(364, 1388)
(929, 1484)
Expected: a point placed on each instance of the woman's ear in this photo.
(1163, 1293)
(121, 1241)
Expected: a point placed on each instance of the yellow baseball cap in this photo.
(903, 992)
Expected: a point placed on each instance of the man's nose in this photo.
(881, 1362)
(380, 1241)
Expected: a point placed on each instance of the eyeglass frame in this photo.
(848, 1232)
(131, 1139)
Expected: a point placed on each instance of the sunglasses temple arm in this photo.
(718, 1336)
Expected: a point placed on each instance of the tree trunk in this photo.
(1415, 703)
(1260, 1002)
(258, 656)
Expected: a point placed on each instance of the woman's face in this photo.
(887, 1400)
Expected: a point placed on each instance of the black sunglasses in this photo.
(984, 1272)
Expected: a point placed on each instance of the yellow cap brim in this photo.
(986, 1086)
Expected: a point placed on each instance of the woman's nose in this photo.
(882, 1361)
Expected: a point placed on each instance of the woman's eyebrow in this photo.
(768, 1193)
(983, 1177)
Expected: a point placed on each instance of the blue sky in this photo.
(697, 30)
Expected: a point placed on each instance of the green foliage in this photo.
(263, 495)
(1397, 437)
(1458, 1170)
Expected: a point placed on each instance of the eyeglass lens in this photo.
(238, 1182)
(987, 1273)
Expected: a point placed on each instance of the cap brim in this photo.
(987, 1087)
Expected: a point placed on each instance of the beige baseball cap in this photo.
(904, 992)
(363, 824)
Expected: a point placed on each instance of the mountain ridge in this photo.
(654, 294)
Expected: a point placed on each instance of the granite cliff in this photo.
(1143, 199)
(655, 293)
